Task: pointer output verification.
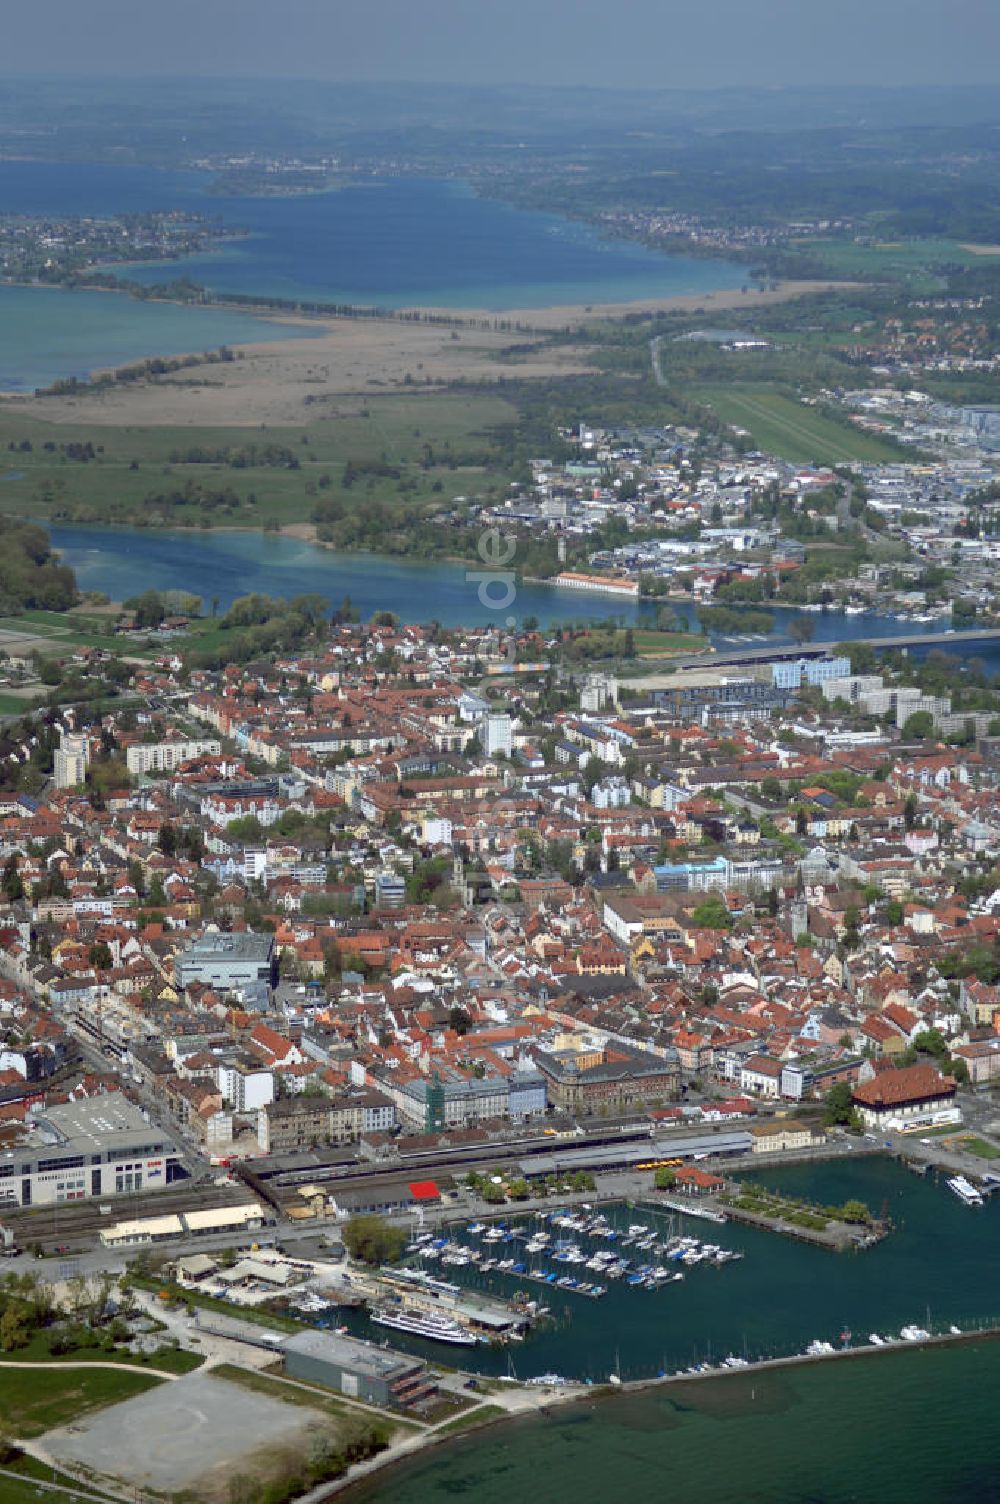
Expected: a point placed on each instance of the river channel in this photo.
(220, 565)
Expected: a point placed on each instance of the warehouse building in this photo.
(246, 1218)
(374, 1374)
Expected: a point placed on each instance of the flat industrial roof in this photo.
(96, 1123)
(738, 1142)
(223, 1216)
(143, 1227)
(361, 1357)
(241, 946)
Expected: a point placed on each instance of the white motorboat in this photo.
(965, 1190)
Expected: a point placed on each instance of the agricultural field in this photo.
(435, 443)
(782, 426)
(63, 631)
(908, 261)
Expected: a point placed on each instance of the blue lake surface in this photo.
(393, 242)
(405, 241)
(935, 1268)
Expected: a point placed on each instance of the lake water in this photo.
(47, 333)
(909, 1427)
(937, 1267)
(899, 1427)
(395, 242)
(407, 241)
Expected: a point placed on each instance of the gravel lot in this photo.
(177, 1433)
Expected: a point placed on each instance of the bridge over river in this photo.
(748, 656)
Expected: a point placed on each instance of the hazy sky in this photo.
(671, 43)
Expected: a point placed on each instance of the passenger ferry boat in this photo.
(965, 1190)
(432, 1325)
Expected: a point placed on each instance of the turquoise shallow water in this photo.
(909, 1427)
(48, 333)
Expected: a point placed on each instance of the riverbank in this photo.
(223, 563)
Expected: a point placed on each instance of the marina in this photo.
(643, 1290)
(638, 1255)
(717, 1310)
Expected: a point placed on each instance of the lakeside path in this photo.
(60, 1366)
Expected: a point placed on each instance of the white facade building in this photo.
(495, 733)
(164, 757)
(70, 762)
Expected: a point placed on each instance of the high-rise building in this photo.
(495, 733)
(70, 762)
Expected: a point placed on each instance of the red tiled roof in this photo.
(914, 1083)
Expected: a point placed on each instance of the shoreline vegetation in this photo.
(545, 319)
(544, 1399)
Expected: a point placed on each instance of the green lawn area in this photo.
(33, 1400)
(170, 1359)
(17, 704)
(473, 1417)
(151, 476)
(786, 428)
(661, 644)
(31, 1471)
(21, 1490)
(979, 1147)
